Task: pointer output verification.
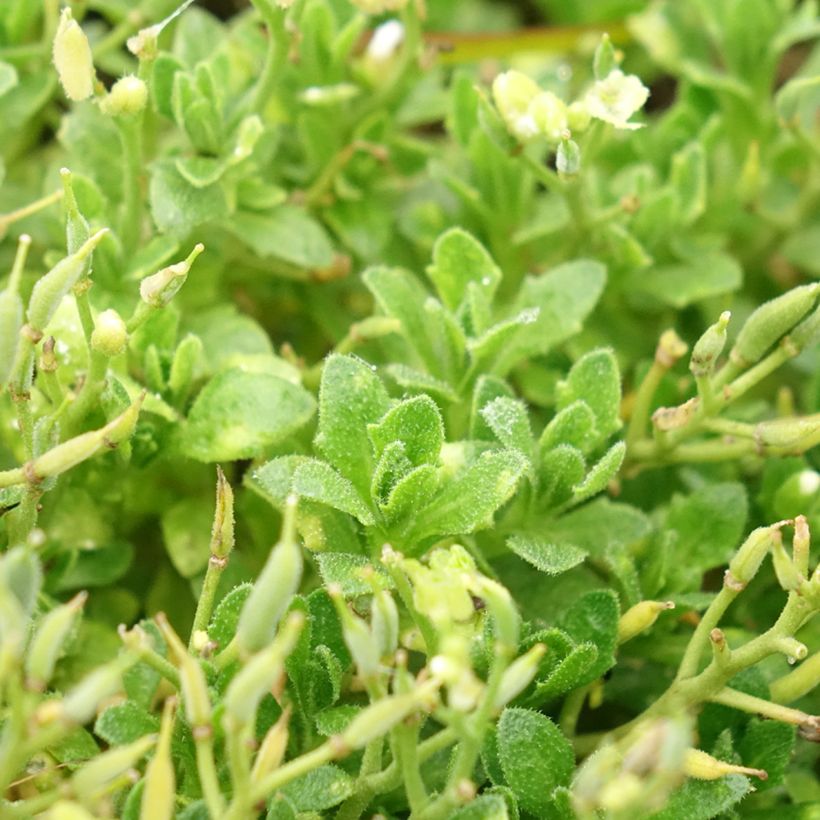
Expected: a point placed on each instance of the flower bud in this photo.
(747, 560)
(640, 617)
(11, 312)
(159, 288)
(703, 766)
(191, 678)
(770, 321)
(568, 158)
(159, 793)
(272, 749)
(95, 775)
(604, 60)
(357, 635)
(109, 336)
(49, 641)
(72, 58)
(787, 573)
(127, 97)
(76, 225)
(50, 289)
(500, 604)
(708, 348)
(380, 717)
(384, 623)
(550, 114)
(222, 533)
(513, 92)
(519, 675)
(260, 673)
(277, 584)
(80, 704)
(801, 545)
(578, 117)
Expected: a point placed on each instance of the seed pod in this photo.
(49, 640)
(76, 450)
(76, 225)
(379, 718)
(95, 775)
(519, 675)
(708, 348)
(747, 560)
(274, 589)
(640, 617)
(357, 635)
(109, 336)
(787, 573)
(505, 615)
(191, 678)
(159, 288)
(384, 623)
(160, 783)
(260, 673)
(80, 703)
(798, 433)
(802, 680)
(72, 58)
(807, 333)
(127, 97)
(771, 321)
(11, 311)
(222, 532)
(703, 766)
(272, 749)
(50, 289)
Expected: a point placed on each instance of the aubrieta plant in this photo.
(502, 345)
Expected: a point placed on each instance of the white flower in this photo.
(616, 98)
(513, 93)
(550, 115)
(385, 41)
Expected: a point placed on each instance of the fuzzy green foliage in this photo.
(488, 541)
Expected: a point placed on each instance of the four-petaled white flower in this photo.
(616, 98)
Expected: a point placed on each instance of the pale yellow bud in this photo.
(127, 96)
(72, 58)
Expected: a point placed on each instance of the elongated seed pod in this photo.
(274, 589)
(258, 675)
(272, 749)
(384, 622)
(49, 640)
(159, 288)
(381, 716)
(80, 703)
(771, 321)
(747, 560)
(160, 783)
(101, 770)
(518, 675)
(51, 288)
(357, 634)
(11, 312)
(708, 348)
(640, 617)
(222, 532)
(76, 450)
(501, 606)
(807, 333)
(72, 58)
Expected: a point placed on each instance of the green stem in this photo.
(130, 128)
(90, 392)
(275, 57)
(571, 710)
(205, 604)
(208, 778)
(700, 640)
(84, 309)
(293, 769)
(407, 746)
(27, 210)
(639, 420)
(237, 739)
(759, 706)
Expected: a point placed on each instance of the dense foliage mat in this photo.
(501, 344)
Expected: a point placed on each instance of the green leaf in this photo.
(767, 744)
(124, 723)
(486, 389)
(682, 284)
(429, 329)
(225, 619)
(593, 618)
(602, 472)
(595, 379)
(239, 414)
(345, 570)
(287, 233)
(489, 347)
(574, 425)
(458, 259)
(564, 297)
(485, 807)
(704, 799)
(601, 525)
(319, 481)
(467, 502)
(98, 567)
(319, 789)
(688, 179)
(545, 556)
(561, 469)
(418, 382)
(177, 206)
(410, 493)
(334, 720)
(535, 756)
(186, 530)
(802, 249)
(141, 681)
(709, 524)
(508, 419)
(571, 672)
(417, 424)
(351, 396)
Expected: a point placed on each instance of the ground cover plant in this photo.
(495, 328)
